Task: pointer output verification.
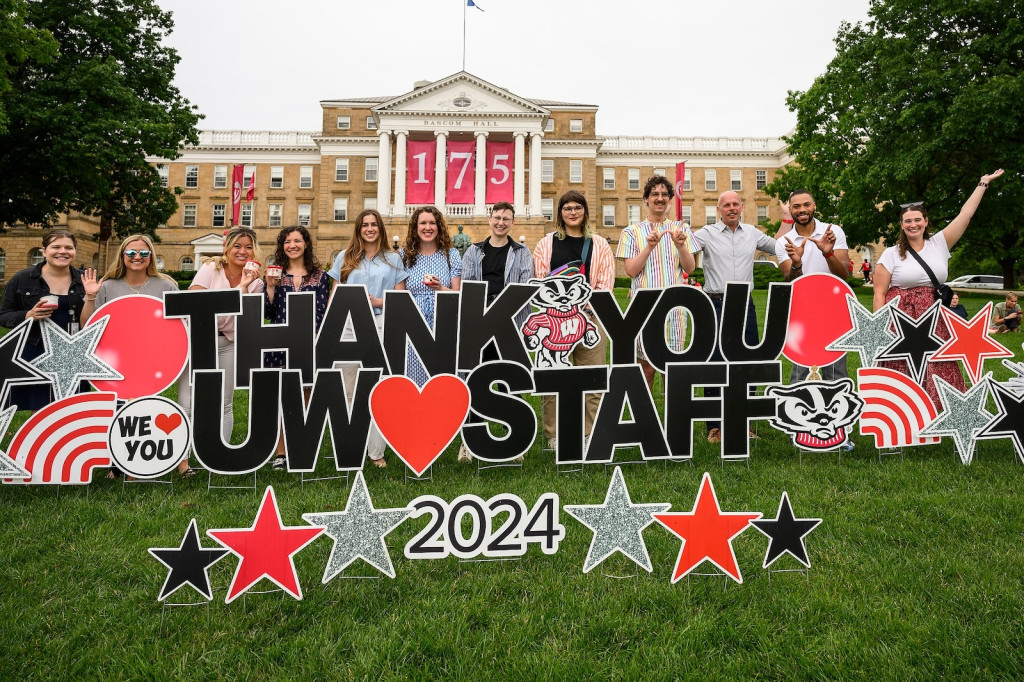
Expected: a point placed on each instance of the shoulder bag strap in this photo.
(931, 275)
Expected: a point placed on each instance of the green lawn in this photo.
(917, 572)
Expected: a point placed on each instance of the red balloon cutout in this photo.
(818, 315)
(148, 350)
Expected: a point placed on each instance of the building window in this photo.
(304, 212)
(187, 264)
(634, 215)
(219, 212)
(575, 171)
(305, 177)
(609, 178)
(686, 180)
(340, 209)
(710, 215)
(736, 180)
(188, 215)
(275, 215)
(660, 171)
(370, 173)
(191, 176)
(344, 122)
(547, 170)
(35, 256)
(246, 217)
(247, 174)
(370, 203)
(608, 211)
(762, 214)
(341, 170)
(575, 125)
(276, 177)
(687, 216)
(760, 179)
(164, 171)
(710, 181)
(220, 177)
(371, 123)
(634, 179)
(547, 208)
(160, 263)
(549, 125)
(3, 265)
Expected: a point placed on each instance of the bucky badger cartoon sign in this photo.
(817, 414)
(561, 323)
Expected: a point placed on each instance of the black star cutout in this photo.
(1009, 423)
(786, 534)
(189, 564)
(916, 340)
(14, 370)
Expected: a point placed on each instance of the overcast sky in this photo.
(679, 67)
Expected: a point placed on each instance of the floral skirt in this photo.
(915, 302)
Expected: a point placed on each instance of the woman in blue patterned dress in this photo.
(300, 271)
(433, 265)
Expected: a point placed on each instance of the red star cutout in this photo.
(969, 341)
(265, 549)
(707, 533)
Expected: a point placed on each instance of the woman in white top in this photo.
(899, 274)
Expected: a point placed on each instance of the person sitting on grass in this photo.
(1006, 316)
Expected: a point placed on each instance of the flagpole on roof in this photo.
(464, 5)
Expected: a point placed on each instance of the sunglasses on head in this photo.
(912, 204)
(132, 253)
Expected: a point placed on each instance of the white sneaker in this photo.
(464, 454)
(552, 443)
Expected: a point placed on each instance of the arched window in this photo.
(160, 263)
(35, 256)
(187, 265)
(270, 260)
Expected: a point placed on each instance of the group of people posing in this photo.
(657, 252)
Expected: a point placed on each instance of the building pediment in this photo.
(461, 94)
(209, 241)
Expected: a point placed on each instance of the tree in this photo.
(919, 102)
(20, 44)
(81, 125)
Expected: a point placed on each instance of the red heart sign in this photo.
(419, 425)
(167, 422)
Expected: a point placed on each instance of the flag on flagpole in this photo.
(237, 176)
(470, 3)
(252, 185)
(680, 179)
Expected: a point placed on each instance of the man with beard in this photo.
(650, 253)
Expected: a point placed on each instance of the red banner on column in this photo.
(419, 173)
(680, 177)
(237, 176)
(461, 174)
(499, 172)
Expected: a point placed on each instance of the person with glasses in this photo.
(902, 273)
(237, 268)
(499, 261)
(650, 252)
(573, 247)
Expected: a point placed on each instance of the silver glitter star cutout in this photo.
(871, 332)
(617, 524)
(71, 358)
(358, 532)
(8, 467)
(963, 416)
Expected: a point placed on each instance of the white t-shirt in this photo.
(908, 273)
(814, 259)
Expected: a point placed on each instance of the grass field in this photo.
(917, 573)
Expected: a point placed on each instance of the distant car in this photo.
(978, 282)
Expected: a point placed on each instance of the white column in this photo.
(480, 193)
(384, 172)
(535, 139)
(400, 163)
(519, 174)
(440, 162)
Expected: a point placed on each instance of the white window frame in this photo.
(219, 211)
(164, 171)
(687, 216)
(608, 215)
(276, 177)
(191, 176)
(341, 169)
(660, 171)
(547, 208)
(710, 215)
(633, 179)
(340, 209)
(305, 211)
(305, 177)
(344, 123)
(189, 215)
(187, 264)
(634, 214)
(736, 180)
(762, 213)
(245, 216)
(370, 169)
(371, 123)
(609, 178)
(220, 177)
(370, 203)
(710, 180)
(687, 182)
(575, 125)
(35, 257)
(549, 125)
(575, 171)
(760, 178)
(547, 170)
(275, 212)
(247, 172)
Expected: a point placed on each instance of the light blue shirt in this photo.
(382, 273)
(729, 255)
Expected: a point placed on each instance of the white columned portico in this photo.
(480, 194)
(400, 162)
(440, 161)
(384, 172)
(535, 150)
(519, 181)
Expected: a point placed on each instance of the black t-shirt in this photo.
(493, 267)
(568, 250)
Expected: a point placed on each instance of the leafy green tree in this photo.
(81, 125)
(20, 44)
(920, 101)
